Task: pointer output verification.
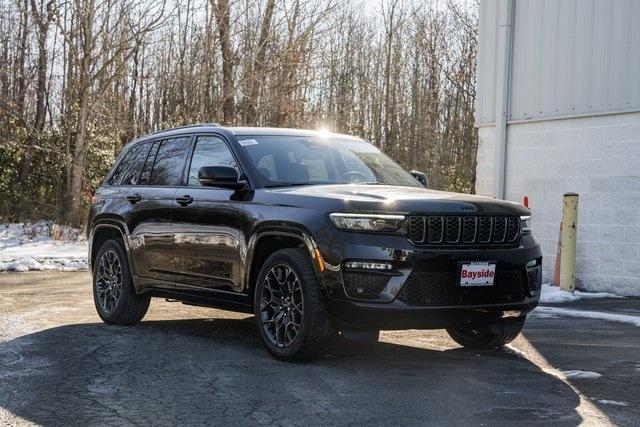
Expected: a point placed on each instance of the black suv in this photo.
(315, 233)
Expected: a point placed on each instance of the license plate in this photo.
(477, 273)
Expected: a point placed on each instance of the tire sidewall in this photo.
(310, 291)
(127, 283)
(486, 339)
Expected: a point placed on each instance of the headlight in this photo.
(366, 222)
(525, 223)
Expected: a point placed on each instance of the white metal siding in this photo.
(570, 57)
(488, 47)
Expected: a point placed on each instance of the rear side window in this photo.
(167, 169)
(128, 170)
(209, 151)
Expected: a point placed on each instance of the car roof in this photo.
(239, 131)
(264, 131)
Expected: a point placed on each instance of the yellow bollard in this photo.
(569, 237)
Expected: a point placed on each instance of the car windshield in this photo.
(306, 160)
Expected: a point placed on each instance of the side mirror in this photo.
(220, 176)
(421, 177)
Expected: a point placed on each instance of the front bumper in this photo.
(396, 315)
(421, 289)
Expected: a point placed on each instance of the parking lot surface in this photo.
(59, 365)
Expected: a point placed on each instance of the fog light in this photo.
(362, 265)
(532, 263)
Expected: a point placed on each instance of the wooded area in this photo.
(81, 78)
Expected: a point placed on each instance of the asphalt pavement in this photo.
(59, 365)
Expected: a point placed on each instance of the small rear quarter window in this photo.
(128, 169)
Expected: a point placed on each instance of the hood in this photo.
(408, 200)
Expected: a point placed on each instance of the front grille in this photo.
(364, 286)
(441, 288)
(464, 230)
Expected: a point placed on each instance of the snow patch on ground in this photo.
(553, 294)
(41, 246)
(540, 315)
(581, 374)
(613, 317)
(572, 374)
(612, 402)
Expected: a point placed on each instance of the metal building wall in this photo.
(569, 58)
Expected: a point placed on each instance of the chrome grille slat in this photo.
(464, 229)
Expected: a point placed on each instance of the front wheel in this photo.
(289, 308)
(487, 337)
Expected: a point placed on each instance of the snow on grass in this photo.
(41, 246)
(602, 315)
(553, 294)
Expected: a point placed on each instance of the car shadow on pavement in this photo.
(214, 371)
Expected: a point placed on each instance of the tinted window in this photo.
(167, 169)
(129, 160)
(148, 165)
(209, 151)
(132, 176)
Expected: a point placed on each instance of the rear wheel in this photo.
(289, 309)
(114, 296)
(486, 337)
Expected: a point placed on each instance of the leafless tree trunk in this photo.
(41, 18)
(222, 12)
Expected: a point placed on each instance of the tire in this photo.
(361, 336)
(116, 304)
(299, 328)
(486, 337)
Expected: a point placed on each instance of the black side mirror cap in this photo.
(221, 176)
(421, 177)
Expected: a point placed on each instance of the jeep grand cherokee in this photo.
(317, 234)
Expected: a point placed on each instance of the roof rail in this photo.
(186, 127)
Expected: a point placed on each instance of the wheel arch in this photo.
(104, 230)
(268, 240)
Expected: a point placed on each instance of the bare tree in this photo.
(80, 78)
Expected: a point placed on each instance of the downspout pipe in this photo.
(503, 79)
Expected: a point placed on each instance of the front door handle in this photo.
(184, 200)
(134, 198)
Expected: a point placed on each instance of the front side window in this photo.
(209, 151)
(307, 160)
(167, 169)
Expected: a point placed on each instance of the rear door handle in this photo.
(134, 198)
(184, 200)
